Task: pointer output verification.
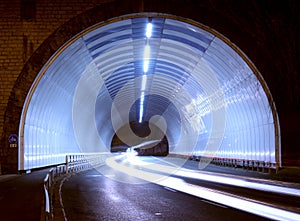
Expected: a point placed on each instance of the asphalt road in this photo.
(92, 196)
(280, 200)
(21, 196)
(114, 195)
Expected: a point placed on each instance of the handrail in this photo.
(74, 163)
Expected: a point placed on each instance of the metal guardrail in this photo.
(48, 181)
(256, 165)
(74, 163)
(79, 162)
(47, 199)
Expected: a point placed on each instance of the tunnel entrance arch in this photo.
(182, 52)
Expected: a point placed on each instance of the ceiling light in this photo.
(149, 30)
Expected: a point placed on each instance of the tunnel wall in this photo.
(33, 31)
(88, 71)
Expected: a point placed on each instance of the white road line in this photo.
(61, 200)
(215, 204)
(170, 189)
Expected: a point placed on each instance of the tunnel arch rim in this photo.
(40, 73)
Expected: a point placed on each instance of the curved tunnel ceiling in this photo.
(181, 76)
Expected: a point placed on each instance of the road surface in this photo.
(112, 193)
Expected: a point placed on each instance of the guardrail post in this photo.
(67, 164)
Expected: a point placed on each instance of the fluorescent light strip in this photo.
(149, 30)
(141, 114)
(146, 68)
(144, 80)
(146, 58)
(142, 107)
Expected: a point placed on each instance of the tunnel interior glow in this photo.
(181, 76)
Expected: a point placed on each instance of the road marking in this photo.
(215, 204)
(168, 188)
(94, 175)
(110, 175)
(61, 200)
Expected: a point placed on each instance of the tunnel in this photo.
(188, 82)
(149, 148)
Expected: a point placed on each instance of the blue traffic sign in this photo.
(13, 139)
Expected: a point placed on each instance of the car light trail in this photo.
(120, 163)
(178, 171)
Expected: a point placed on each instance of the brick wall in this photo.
(31, 31)
(25, 25)
(20, 37)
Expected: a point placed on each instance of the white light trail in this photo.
(230, 200)
(223, 198)
(146, 143)
(239, 182)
